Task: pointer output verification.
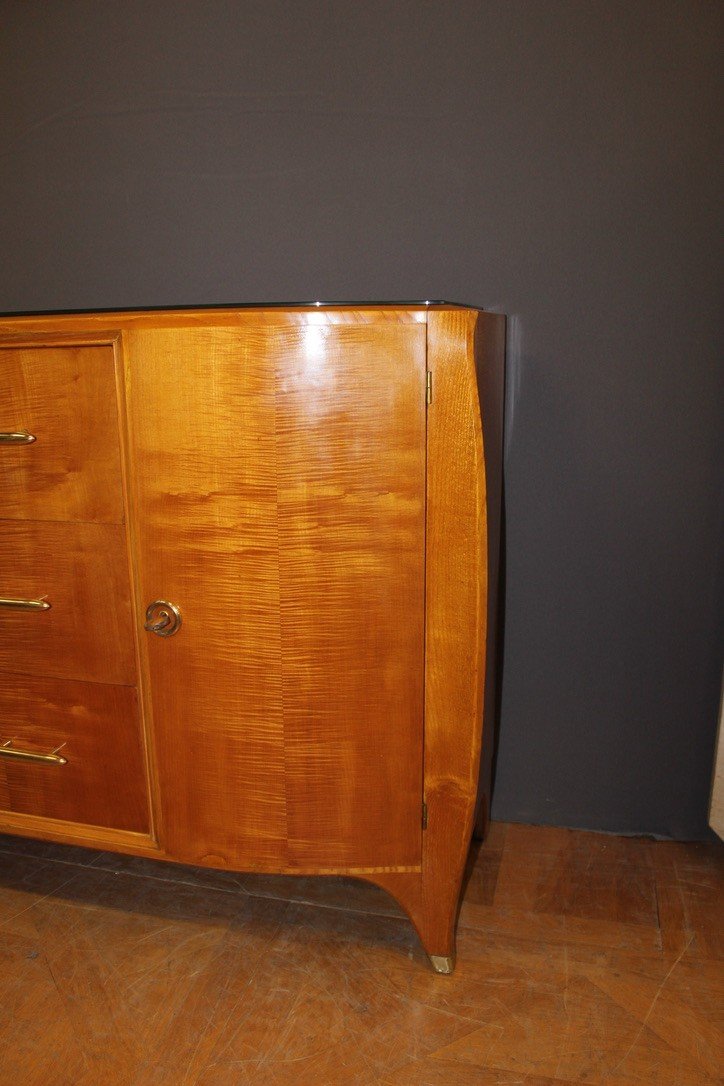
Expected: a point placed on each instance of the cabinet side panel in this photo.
(465, 352)
(202, 434)
(456, 614)
(351, 454)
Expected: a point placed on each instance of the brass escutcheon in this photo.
(162, 618)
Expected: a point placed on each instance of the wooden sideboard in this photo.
(247, 567)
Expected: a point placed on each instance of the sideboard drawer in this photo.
(95, 775)
(81, 572)
(65, 399)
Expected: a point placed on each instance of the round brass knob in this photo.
(162, 618)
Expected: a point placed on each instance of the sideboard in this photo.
(248, 561)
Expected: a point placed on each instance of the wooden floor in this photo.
(583, 958)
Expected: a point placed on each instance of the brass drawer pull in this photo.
(8, 751)
(25, 605)
(17, 437)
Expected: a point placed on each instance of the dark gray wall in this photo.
(559, 161)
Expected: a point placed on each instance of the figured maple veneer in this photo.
(316, 489)
(281, 504)
(82, 569)
(465, 352)
(65, 397)
(95, 728)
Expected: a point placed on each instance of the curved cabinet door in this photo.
(280, 500)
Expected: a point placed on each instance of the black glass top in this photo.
(241, 305)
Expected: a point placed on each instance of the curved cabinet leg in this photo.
(465, 352)
(432, 910)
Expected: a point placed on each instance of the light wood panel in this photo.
(66, 397)
(351, 467)
(97, 730)
(202, 441)
(456, 615)
(459, 350)
(82, 569)
(288, 709)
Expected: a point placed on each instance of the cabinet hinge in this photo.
(424, 815)
(428, 388)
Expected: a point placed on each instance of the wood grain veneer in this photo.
(96, 728)
(459, 536)
(330, 541)
(294, 548)
(65, 397)
(83, 571)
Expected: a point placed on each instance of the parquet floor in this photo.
(582, 958)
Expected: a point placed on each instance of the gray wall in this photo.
(559, 161)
